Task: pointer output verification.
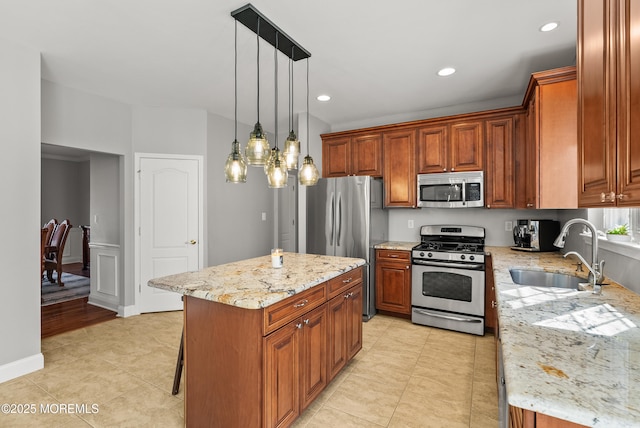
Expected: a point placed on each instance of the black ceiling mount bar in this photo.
(248, 15)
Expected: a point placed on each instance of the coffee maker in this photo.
(535, 235)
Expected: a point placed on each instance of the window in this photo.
(612, 217)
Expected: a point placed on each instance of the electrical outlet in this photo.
(410, 224)
(508, 226)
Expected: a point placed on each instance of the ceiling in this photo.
(376, 58)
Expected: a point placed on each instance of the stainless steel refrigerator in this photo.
(345, 217)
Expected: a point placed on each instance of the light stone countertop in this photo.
(253, 283)
(396, 245)
(568, 354)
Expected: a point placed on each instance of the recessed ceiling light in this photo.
(447, 71)
(323, 98)
(550, 26)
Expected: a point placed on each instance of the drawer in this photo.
(279, 314)
(340, 283)
(393, 255)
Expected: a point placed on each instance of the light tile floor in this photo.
(122, 371)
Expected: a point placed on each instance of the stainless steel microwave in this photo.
(451, 190)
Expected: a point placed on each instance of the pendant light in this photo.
(277, 174)
(235, 169)
(257, 151)
(308, 175)
(291, 144)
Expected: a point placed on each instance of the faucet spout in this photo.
(596, 268)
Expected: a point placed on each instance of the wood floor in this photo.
(74, 314)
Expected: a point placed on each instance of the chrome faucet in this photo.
(597, 268)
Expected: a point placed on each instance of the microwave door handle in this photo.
(464, 191)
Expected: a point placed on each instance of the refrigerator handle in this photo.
(333, 217)
(339, 216)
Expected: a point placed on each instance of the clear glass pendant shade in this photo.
(258, 150)
(277, 174)
(308, 175)
(269, 160)
(291, 150)
(235, 169)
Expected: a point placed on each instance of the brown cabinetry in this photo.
(398, 150)
(608, 103)
(359, 154)
(551, 145)
(295, 370)
(277, 359)
(345, 328)
(393, 281)
(490, 312)
(521, 418)
(499, 182)
(449, 147)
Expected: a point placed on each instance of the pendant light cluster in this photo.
(258, 153)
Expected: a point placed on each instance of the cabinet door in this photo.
(336, 157)
(366, 155)
(393, 286)
(629, 105)
(491, 317)
(596, 102)
(499, 172)
(399, 169)
(466, 148)
(531, 154)
(431, 149)
(337, 346)
(354, 321)
(313, 355)
(281, 376)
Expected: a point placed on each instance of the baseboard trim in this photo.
(21, 367)
(128, 311)
(102, 303)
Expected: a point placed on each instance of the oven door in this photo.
(449, 287)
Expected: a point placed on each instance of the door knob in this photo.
(192, 242)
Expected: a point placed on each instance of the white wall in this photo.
(65, 192)
(20, 208)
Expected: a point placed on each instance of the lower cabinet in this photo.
(393, 281)
(295, 367)
(263, 367)
(520, 418)
(345, 328)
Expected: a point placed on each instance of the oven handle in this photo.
(470, 266)
(447, 317)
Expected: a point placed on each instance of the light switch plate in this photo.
(410, 224)
(508, 226)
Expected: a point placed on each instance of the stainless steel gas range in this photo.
(447, 280)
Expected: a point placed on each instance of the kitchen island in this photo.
(567, 354)
(262, 343)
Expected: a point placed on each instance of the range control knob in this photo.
(421, 253)
(472, 257)
(429, 255)
(462, 257)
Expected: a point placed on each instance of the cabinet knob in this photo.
(408, 267)
(299, 325)
(453, 169)
(444, 169)
(608, 197)
(494, 304)
(529, 205)
(488, 205)
(620, 196)
(306, 321)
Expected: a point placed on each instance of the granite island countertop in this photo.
(567, 353)
(253, 283)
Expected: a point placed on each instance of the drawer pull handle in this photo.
(301, 303)
(393, 255)
(346, 281)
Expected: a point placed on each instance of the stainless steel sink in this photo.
(545, 279)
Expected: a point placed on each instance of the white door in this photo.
(169, 225)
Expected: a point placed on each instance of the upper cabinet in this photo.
(450, 147)
(499, 183)
(399, 170)
(608, 103)
(358, 154)
(549, 159)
